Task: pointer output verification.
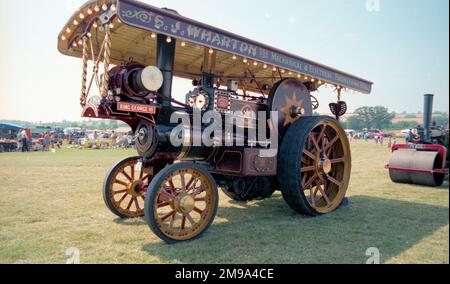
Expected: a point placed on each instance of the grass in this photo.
(52, 201)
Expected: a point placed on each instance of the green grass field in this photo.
(53, 201)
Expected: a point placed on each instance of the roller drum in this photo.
(416, 160)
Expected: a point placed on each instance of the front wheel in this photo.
(125, 187)
(314, 165)
(181, 202)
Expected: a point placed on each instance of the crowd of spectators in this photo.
(52, 140)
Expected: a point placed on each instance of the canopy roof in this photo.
(10, 126)
(200, 47)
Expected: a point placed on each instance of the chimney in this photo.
(428, 116)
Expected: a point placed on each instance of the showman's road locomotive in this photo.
(136, 50)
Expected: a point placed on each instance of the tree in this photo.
(355, 123)
(382, 118)
(374, 117)
(365, 114)
(441, 119)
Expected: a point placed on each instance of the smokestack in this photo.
(428, 116)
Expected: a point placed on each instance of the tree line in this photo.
(379, 117)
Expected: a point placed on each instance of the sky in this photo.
(400, 45)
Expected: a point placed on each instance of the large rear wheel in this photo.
(314, 165)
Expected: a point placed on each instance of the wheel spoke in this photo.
(331, 143)
(120, 191)
(132, 171)
(313, 139)
(189, 217)
(136, 202)
(198, 210)
(127, 176)
(337, 161)
(324, 195)
(309, 154)
(168, 215)
(310, 181)
(190, 183)
(164, 204)
(122, 199)
(325, 187)
(172, 221)
(168, 197)
(304, 179)
(130, 203)
(183, 223)
(308, 169)
(316, 190)
(322, 135)
(121, 182)
(314, 194)
(183, 182)
(203, 199)
(172, 186)
(335, 181)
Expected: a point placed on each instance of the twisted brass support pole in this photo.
(106, 58)
(83, 97)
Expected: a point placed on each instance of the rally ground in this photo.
(50, 202)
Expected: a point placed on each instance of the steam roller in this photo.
(424, 160)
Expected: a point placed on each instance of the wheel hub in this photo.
(324, 166)
(184, 204)
(135, 187)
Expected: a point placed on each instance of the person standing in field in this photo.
(19, 141)
(366, 136)
(114, 140)
(409, 136)
(382, 139)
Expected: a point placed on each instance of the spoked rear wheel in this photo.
(182, 202)
(315, 165)
(125, 187)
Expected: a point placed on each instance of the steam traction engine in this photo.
(424, 160)
(136, 51)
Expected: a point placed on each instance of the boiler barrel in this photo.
(420, 161)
